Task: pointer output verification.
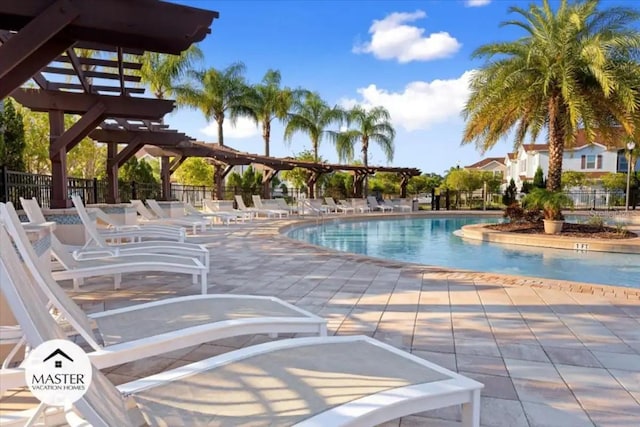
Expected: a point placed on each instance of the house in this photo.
(489, 164)
(595, 160)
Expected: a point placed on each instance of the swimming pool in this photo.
(431, 241)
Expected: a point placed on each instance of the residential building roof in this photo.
(484, 162)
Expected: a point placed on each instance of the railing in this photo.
(14, 185)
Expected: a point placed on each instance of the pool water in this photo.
(431, 241)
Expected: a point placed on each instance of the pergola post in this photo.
(113, 195)
(165, 175)
(59, 196)
(220, 172)
(403, 185)
(267, 177)
(114, 161)
(311, 183)
(358, 180)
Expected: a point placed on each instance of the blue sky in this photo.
(412, 57)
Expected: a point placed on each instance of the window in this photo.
(523, 165)
(591, 161)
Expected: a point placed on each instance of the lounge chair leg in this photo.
(471, 411)
(194, 279)
(117, 280)
(77, 283)
(323, 330)
(203, 284)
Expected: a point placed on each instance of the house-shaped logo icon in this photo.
(58, 352)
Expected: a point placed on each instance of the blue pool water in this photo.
(431, 241)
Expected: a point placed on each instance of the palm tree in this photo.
(162, 72)
(268, 101)
(369, 126)
(216, 93)
(312, 115)
(574, 68)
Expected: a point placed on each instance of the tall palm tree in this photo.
(367, 126)
(162, 72)
(574, 67)
(312, 115)
(216, 93)
(267, 101)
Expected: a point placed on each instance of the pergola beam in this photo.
(80, 103)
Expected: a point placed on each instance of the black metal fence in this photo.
(14, 185)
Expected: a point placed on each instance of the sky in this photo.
(411, 57)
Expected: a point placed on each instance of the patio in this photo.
(547, 357)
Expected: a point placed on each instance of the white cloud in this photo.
(420, 104)
(476, 3)
(392, 39)
(244, 128)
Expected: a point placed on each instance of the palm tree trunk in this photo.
(220, 132)
(218, 170)
(556, 147)
(365, 162)
(266, 135)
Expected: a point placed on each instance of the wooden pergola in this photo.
(39, 40)
(227, 158)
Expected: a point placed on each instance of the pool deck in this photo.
(550, 353)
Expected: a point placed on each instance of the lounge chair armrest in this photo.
(97, 253)
(125, 227)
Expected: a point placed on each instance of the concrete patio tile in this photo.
(573, 356)
(595, 378)
(522, 351)
(610, 400)
(446, 360)
(613, 419)
(501, 413)
(481, 364)
(543, 391)
(626, 362)
(416, 421)
(494, 385)
(144, 367)
(477, 347)
(117, 379)
(532, 370)
(555, 415)
(629, 380)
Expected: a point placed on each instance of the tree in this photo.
(194, 171)
(509, 196)
(572, 179)
(615, 181)
(267, 101)
(136, 171)
(36, 152)
(368, 126)
(538, 178)
(575, 67)
(87, 160)
(300, 176)
(12, 140)
(424, 183)
(217, 93)
(386, 182)
(312, 115)
(162, 72)
(249, 183)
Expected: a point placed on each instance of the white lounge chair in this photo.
(403, 205)
(223, 217)
(97, 242)
(226, 207)
(282, 204)
(360, 205)
(146, 216)
(257, 202)
(375, 206)
(96, 264)
(325, 381)
(241, 206)
(142, 330)
(194, 221)
(338, 208)
(116, 230)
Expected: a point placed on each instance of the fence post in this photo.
(95, 190)
(134, 192)
(5, 183)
